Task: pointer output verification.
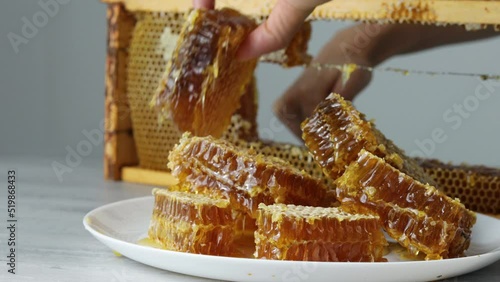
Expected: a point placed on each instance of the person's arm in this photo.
(367, 45)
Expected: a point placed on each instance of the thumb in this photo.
(276, 32)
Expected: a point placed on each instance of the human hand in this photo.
(314, 85)
(276, 32)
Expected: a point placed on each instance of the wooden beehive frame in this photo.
(119, 146)
(120, 154)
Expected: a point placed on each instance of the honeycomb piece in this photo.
(217, 167)
(417, 215)
(192, 223)
(243, 225)
(203, 75)
(244, 122)
(296, 50)
(336, 132)
(297, 156)
(477, 187)
(289, 232)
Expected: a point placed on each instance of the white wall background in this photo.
(53, 88)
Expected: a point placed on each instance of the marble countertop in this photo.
(51, 242)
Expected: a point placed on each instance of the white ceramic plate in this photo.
(121, 225)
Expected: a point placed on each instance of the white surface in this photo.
(120, 229)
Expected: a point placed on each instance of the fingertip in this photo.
(204, 4)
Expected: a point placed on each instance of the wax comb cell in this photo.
(477, 187)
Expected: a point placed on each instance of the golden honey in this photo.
(418, 216)
(203, 75)
(336, 132)
(217, 167)
(192, 223)
(296, 156)
(289, 232)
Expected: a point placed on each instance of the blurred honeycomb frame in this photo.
(121, 156)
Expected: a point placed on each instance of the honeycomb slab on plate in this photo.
(218, 168)
(418, 216)
(289, 232)
(192, 223)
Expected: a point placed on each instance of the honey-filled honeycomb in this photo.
(418, 216)
(244, 122)
(477, 187)
(336, 132)
(244, 225)
(289, 232)
(217, 167)
(204, 75)
(296, 156)
(192, 223)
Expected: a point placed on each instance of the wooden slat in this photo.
(119, 147)
(119, 151)
(421, 11)
(149, 177)
(118, 116)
